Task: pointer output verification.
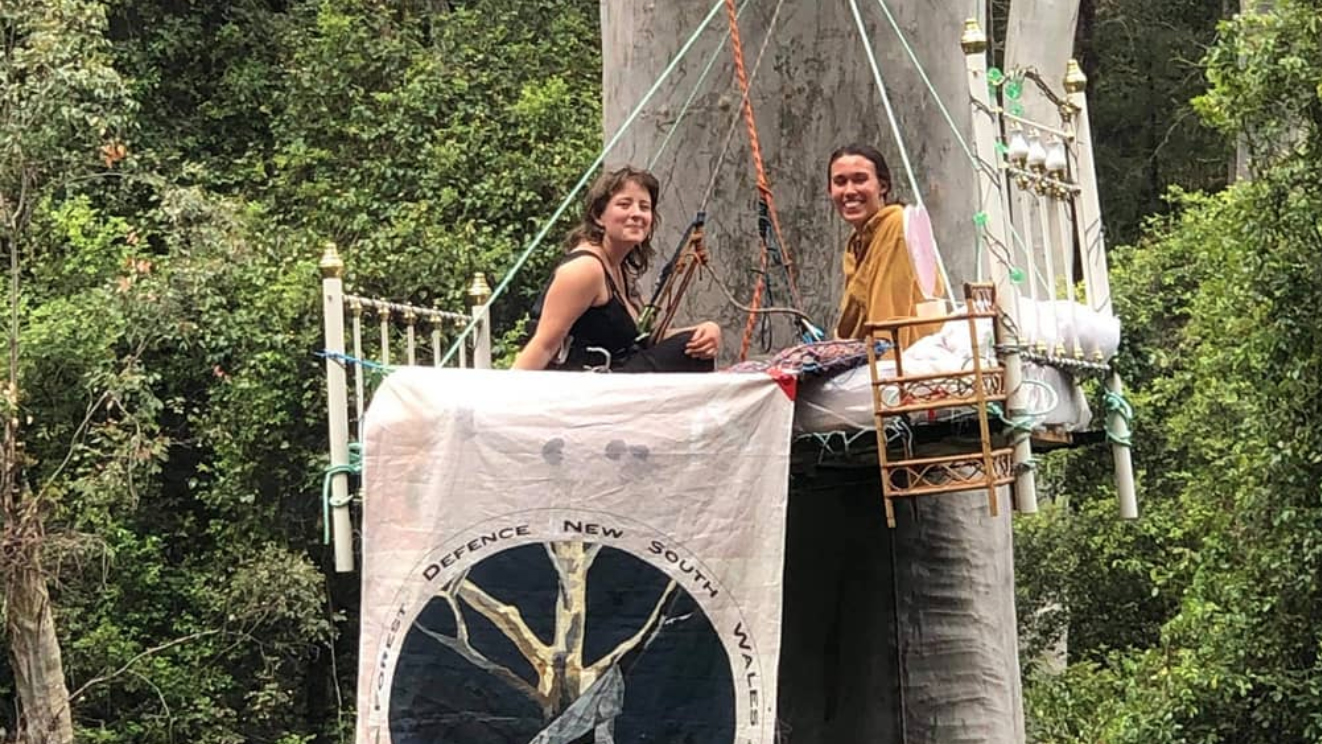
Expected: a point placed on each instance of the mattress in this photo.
(840, 400)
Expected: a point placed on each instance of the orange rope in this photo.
(763, 186)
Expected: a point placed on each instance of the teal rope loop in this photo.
(375, 371)
(1117, 404)
(353, 467)
(1022, 423)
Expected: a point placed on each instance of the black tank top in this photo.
(610, 326)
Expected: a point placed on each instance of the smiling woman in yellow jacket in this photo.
(880, 280)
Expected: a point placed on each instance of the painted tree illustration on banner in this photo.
(565, 630)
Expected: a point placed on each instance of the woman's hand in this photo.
(705, 342)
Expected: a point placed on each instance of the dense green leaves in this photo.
(1226, 357)
(170, 308)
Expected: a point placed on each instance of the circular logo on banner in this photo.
(566, 627)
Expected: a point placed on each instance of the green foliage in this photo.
(1227, 365)
(60, 97)
(434, 150)
(1265, 79)
(170, 310)
(1142, 60)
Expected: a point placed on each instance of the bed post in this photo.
(337, 408)
(479, 295)
(991, 219)
(1088, 224)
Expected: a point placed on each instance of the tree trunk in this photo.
(34, 649)
(34, 653)
(950, 587)
(813, 92)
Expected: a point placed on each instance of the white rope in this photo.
(899, 138)
(716, 54)
(886, 102)
(904, 42)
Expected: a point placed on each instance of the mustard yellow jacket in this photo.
(880, 281)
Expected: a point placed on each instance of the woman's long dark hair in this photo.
(878, 162)
(589, 229)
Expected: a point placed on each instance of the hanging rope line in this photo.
(729, 297)
(886, 102)
(927, 81)
(763, 185)
(693, 93)
(895, 124)
(720, 166)
(587, 175)
(738, 112)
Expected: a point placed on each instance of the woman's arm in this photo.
(576, 286)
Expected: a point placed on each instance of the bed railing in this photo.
(381, 334)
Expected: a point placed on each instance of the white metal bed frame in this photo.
(392, 317)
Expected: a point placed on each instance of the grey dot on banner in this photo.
(554, 451)
(616, 449)
(640, 451)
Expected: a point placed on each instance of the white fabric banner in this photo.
(560, 558)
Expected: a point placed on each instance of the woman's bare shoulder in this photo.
(580, 268)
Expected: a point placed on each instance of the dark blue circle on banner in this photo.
(562, 643)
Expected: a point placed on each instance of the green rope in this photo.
(886, 102)
(587, 175)
(904, 42)
(1025, 423)
(1022, 423)
(353, 467)
(1116, 403)
(717, 53)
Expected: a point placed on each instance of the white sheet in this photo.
(552, 554)
(844, 402)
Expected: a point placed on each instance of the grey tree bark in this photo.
(940, 605)
(813, 92)
(34, 648)
(34, 653)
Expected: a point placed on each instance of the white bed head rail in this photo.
(1042, 225)
(1046, 245)
(381, 334)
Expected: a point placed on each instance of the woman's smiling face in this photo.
(855, 189)
(627, 218)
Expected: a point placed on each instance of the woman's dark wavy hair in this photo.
(589, 228)
(878, 161)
